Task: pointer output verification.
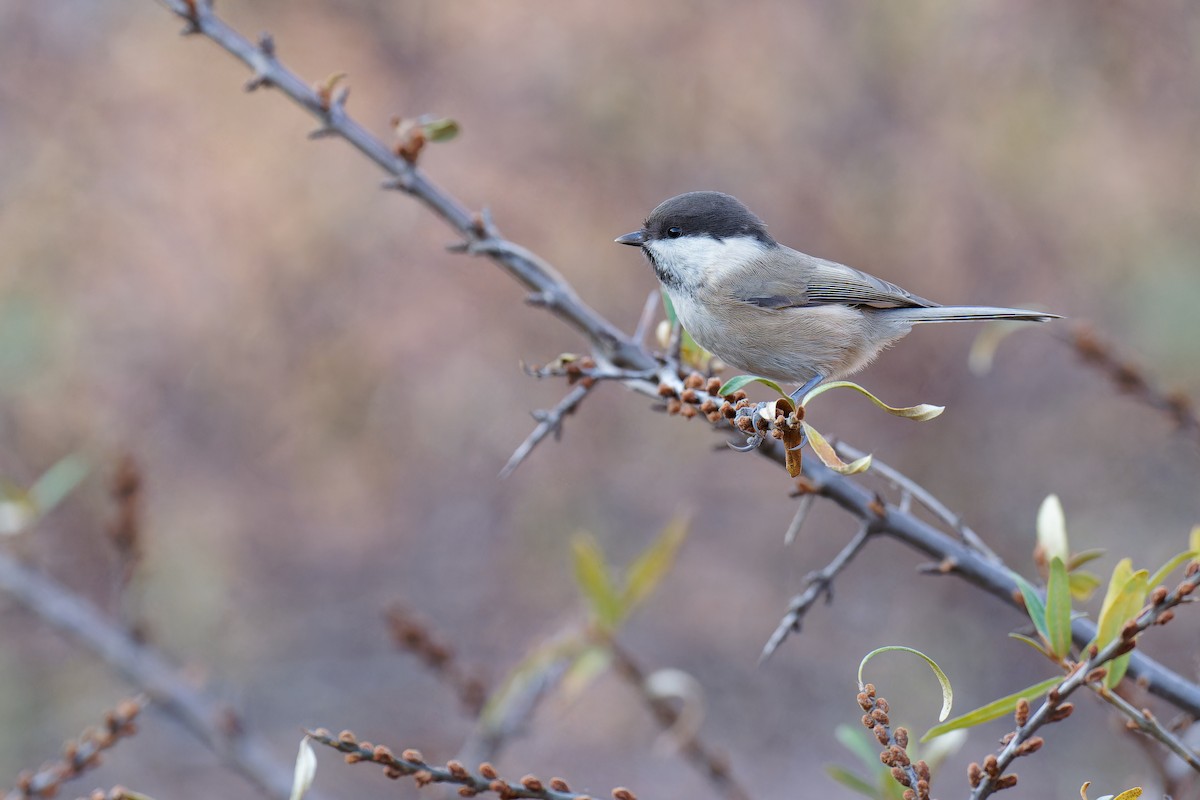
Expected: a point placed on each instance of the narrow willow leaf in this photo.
(1052, 528)
(1034, 643)
(993, 710)
(1194, 540)
(595, 582)
(733, 384)
(588, 665)
(1122, 598)
(1058, 609)
(947, 692)
(856, 741)
(829, 456)
(1035, 607)
(851, 781)
(1083, 585)
(920, 413)
(1160, 575)
(648, 569)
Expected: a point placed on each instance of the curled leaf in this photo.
(829, 457)
(920, 413)
(666, 684)
(947, 692)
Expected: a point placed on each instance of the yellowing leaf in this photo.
(1083, 584)
(829, 456)
(993, 710)
(920, 413)
(647, 571)
(595, 582)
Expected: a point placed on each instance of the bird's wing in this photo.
(804, 280)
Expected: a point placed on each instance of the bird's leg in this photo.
(803, 390)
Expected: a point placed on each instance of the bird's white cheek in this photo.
(696, 258)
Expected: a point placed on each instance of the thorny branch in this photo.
(1090, 671)
(819, 583)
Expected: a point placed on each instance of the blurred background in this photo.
(319, 396)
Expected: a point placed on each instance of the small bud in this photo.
(991, 766)
(673, 406)
(466, 791)
(1158, 595)
(488, 771)
(1022, 713)
(880, 717)
(883, 705)
(693, 381)
(687, 412)
(665, 391)
(1165, 617)
(456, 769)
(974, 775)
(346, 737)
(1097, 675)
(901, 777)
(713, 385)
(621, 793)
(864, 702)
(689, 396)
(1032, 746)
(423, 777)
(868, 721)
(881, 735)
(923, 771)
(559, 785)
(531, 783)
(383, 753)
(393, 772)
(1005, 782)
(322, 734)
(1061, 713)
(901, 737)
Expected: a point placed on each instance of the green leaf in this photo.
(669, 308)
(1194, 540)
(856, 741)
(57, 482)
(947, 692)
(829, 456)
(1083, 585)
(1052, 528)
(1058, 609)
(1034, 606)
(733, 384)
(1121, 573)
(1122, 596)
(920, 413)
(1079, 559)
(595, 582)
(647, 571)
(440, 130)
(1160, 576)
(1034, 643)
(993, 710)
(851, 781)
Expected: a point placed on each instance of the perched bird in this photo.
(772, 311)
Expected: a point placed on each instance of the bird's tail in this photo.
(955, 313)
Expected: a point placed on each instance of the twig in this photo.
(211, 720)
(414, 636)
(710, 764)
(412, 763)
(819, 583)
(548, 422)
(1142, 720)
(802, 508)
(653, 302)
(922, 495)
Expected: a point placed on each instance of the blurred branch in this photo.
(80, 754)
(549, 422)
(553, 292)
(712, 765)
(1131, 378)
(212, 721)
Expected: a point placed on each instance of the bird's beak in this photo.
(637, 238)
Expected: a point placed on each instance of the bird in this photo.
(772, 311)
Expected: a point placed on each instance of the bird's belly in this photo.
(791, 345)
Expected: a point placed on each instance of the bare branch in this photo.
(548, 422)
(819, 583)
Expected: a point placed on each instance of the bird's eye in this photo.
(675, 232)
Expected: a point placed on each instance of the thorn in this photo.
(401, 183)
(323, 132)
(257, 82)
(537, 299)
(266, 44)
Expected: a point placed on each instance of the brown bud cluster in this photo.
(1022, 712)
